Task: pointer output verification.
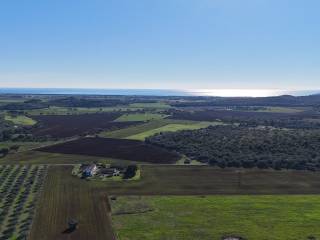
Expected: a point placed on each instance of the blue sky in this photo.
(168, 44)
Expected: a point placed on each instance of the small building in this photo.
(90, 170)
(109, 172)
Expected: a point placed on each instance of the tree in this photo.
(222, 164)
(15, 148)
(262, 164)
(4, 151)
(130, 171)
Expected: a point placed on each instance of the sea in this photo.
(162, 92)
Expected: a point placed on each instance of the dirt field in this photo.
(203, 180)
(64, 197)
(36, 157)
(114, 148)
(61, 126)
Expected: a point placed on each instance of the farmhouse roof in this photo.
(90, 168)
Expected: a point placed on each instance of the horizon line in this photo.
(213, 92)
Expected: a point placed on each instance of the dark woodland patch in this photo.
(231, 146)
(252, 118)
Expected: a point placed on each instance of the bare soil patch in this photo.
(61, 126)
(205, 180)
(64, 199)
(133, 150)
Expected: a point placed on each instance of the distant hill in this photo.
(284, 100)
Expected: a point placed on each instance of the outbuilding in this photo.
(110, 172)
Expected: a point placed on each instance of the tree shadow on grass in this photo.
(69, 230)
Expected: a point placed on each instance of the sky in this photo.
(160, 44)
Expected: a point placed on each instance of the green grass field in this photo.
(142, 131)
(282, 217)
(140, 117)
(132, 130)
(173, 127)
(20, 120)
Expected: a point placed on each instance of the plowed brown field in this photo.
(61, 126)
(65, 198)
(133, 150)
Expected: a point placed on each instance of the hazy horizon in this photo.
(161, 92)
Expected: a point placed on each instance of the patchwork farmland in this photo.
(170, 197)
(144, 130)
(173, 127)
(69, 197)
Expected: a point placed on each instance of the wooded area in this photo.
(238, 146)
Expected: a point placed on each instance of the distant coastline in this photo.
(160, 92)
